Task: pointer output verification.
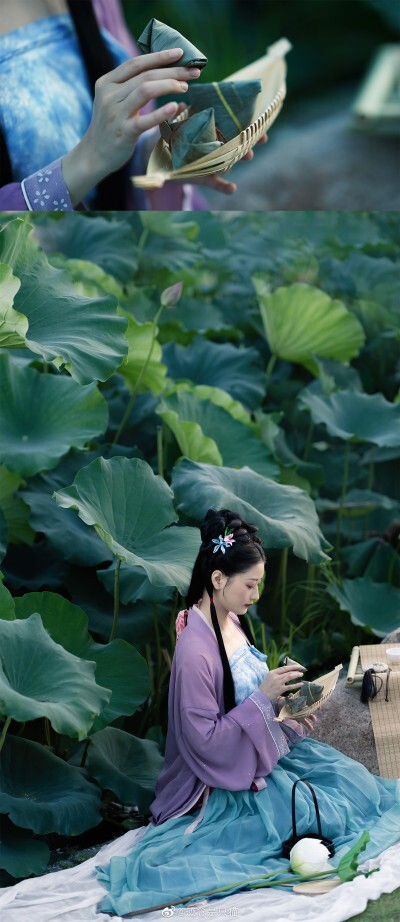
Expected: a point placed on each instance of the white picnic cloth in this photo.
(73, 895)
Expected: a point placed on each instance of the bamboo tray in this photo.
(271, 70)
(328, 681)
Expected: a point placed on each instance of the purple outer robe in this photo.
(206, 747)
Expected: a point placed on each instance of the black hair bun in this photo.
(216, 521)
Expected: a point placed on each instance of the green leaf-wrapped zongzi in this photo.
(194, 138)
(157, 36)
(233, 102)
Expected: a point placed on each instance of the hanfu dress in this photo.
(236, 834)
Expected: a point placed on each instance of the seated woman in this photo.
(77, 110)
(223, 798)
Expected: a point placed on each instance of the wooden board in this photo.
(385, 715)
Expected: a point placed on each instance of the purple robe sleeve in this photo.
(44, 190)
(225, 751)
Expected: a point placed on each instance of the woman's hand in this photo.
(276, 681)
(116, 122)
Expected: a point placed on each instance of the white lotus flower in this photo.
(309, 856)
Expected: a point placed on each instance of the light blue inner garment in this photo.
(45, 98)
(241, 832)
(248, 668)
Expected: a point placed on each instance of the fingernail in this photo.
(171, 106)
(184, 85)
(173, 52)
(194, 72)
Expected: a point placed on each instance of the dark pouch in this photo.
(289, 843)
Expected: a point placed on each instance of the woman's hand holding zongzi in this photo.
(116, 123)
(308, 721)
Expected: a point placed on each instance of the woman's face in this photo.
(241, 590)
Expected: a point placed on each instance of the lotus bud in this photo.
(170, 296)
(309, 856)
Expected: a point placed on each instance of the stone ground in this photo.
(315, 160)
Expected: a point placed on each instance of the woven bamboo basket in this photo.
(328, 681)
(271, 70)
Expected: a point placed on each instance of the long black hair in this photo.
(98, 60)
(246, 551)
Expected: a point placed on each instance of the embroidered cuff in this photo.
(46, 189)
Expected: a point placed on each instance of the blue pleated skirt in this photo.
(241, 832)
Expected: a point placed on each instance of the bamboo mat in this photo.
(385, 715)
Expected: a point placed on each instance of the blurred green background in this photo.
(333, 40)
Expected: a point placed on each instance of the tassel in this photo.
(369, 689)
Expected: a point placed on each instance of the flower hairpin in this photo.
(221, 543)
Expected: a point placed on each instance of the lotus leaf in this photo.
(289, 519)
(38, 678)
(42, 416)
(128, 505)
(40, 791)
(301, 321)
(125, 764)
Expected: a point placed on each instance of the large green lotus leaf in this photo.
(16, 512)
(301, 321)
(375, 606)
(126, 765)
(289, 519)
(13, 326)
(40, 791)
(38, 678)
(153, 378)
(356, 502)
(217, 396)
(21, 853)
(3, 535)
(90, 280)
(128, 505)
(66, 328)
(42, 416)
(169, 224)
(355, 416)
(109, 244)
(7, 607)
(65, 532)
(367, 278)
(373, 558)
(119, 666)
(195, 423)
(237, 371)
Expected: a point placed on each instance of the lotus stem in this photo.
(4, 731)
(283, 587)
(143, 237)
(343, 492)
(265, 880)
(160, 460)
(47, 732)
(85, 751)
(116, 601)
(370, 482)
(308, 440)
(393, 561)
(309, 585)
(270, 368)
(128, 410)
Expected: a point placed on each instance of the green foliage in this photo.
(153, 366)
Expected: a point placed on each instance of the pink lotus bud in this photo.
(170, 296)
